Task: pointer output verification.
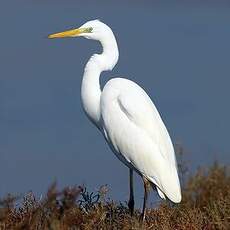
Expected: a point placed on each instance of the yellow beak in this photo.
(68, 33)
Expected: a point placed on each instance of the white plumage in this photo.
(136, 132)
(127, 117)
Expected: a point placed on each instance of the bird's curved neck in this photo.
(90, 88)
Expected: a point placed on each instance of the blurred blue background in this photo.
(178, 52)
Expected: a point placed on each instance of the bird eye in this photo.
(89, 30)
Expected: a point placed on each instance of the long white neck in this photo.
(90, 88)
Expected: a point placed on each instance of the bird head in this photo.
(94, 29)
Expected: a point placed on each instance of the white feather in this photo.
(128, 119)
(138, 135)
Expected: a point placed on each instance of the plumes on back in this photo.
(135, 129)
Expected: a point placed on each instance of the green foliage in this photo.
(205, 205)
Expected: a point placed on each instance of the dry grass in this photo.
(205, 205)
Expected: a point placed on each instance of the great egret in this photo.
(127, 118)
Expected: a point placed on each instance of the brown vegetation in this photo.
(205, 205)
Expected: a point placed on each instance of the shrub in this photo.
(205, 205)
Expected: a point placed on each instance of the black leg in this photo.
(131, 195)
(146, 190)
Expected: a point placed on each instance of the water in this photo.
(178, 53)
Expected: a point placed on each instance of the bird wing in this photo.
(140, 110)
(136, 131)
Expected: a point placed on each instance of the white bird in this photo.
(127, 118)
